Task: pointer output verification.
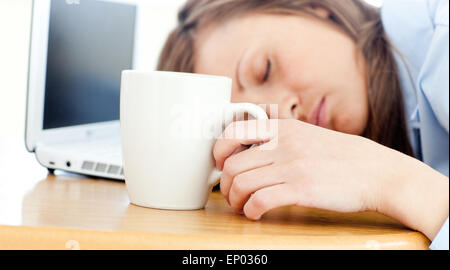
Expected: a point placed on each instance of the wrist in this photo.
(414, 194)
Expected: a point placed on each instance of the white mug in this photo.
(169, 123)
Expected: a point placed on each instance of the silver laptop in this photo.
(78, 50)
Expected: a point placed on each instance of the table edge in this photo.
(29, 237)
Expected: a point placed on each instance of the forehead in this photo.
(218, 45)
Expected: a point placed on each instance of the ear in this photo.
(321, 12)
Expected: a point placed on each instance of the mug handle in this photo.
(236, 108)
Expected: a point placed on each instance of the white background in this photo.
(157, 17)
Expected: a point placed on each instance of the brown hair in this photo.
(361, 22)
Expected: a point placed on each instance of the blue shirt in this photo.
(419, 30)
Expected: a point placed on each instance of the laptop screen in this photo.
(90, 43)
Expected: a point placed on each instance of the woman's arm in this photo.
(305, 165)
(417, 197)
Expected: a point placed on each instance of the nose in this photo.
(278, 102)
(289, 108)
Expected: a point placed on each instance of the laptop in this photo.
(77, 52)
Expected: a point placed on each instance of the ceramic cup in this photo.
(169, 123)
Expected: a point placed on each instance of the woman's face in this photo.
(307, 67)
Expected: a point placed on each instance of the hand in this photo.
(307, 166)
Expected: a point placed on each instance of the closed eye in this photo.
(268, 68)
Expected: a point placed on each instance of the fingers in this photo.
(245, 184)
(238, 134)
(236, 164)
(268, 198)
(250, 180)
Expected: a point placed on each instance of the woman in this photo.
(360, 94)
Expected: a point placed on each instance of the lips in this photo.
(318, 116)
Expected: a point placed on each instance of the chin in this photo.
(350, 125)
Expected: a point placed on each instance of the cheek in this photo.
(237, 96)
(352, 119)
(352, 113)
(247, 96)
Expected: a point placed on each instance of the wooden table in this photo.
(40, 211)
